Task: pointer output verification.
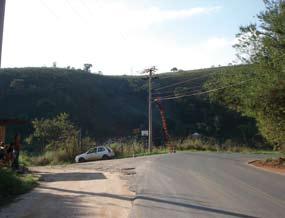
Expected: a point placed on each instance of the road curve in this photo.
(207, 185)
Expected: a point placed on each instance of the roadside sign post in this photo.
(144, 133)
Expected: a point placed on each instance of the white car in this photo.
(97, 153)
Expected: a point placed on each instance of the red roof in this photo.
(6, 122)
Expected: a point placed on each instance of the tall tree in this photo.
(87, 67)
(174, 69)
(262, 96)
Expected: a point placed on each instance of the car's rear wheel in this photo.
(105, 157)
(81, 160)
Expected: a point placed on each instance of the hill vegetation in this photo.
(239, 104)
(112, 106)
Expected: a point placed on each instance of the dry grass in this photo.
(209, 144)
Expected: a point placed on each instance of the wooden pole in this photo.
(2, 15)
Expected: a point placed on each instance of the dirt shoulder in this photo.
(272, 165)
(73, 192)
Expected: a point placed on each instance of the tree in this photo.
(174, 69)
(54, 64)
(87, 67)
(53, 134)
(263, 95)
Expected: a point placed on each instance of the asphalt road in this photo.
(206, 185)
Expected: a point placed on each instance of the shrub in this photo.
(12, 184)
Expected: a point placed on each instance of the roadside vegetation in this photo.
(57, 141)
(106, 107)
(134, 147)
(13, 184)
(262, 94)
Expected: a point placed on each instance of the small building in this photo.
(6, 122)
(196, 135)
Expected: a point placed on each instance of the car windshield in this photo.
(92, 150)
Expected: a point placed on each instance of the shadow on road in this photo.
(44, 205)
(159, 200)
(193, 206)
(74, 176)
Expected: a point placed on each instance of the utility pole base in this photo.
(171, 148)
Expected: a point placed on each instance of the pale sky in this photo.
(124, 36)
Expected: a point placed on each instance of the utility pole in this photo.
(150, 111)
(150, 72)
(2, 13)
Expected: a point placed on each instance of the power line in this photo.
(192, 88)
(184, 89)
(83, 3)
(201, 93)
(180, 93)
(172, 94)
(175, 76)
(181, 82)
(167, 77)
(75, 11)
(191, 74)
(99, 6)
(50, 10)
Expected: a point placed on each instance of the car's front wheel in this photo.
(81, 160)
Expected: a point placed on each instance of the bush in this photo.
(43, 159)
(12, 184)
(197, 144)
(25, 159)
(130, 147)
(209, 144)
(53, 158)
(58, 140)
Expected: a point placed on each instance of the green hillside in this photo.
(112, 106)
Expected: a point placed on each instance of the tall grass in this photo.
(209, 144)
(130, 148)
(52, 158)
(133, 147)
(63, 155)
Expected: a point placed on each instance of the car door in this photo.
(100, 152)
(92, 154)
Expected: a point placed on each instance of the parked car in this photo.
(97, 153)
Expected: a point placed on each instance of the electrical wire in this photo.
(50, 10)
(181, 82)
(205, 92)
(99, 6)
(175, 76)
(166, 77)
(75, 11)
(192, 88)
(178, 94)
